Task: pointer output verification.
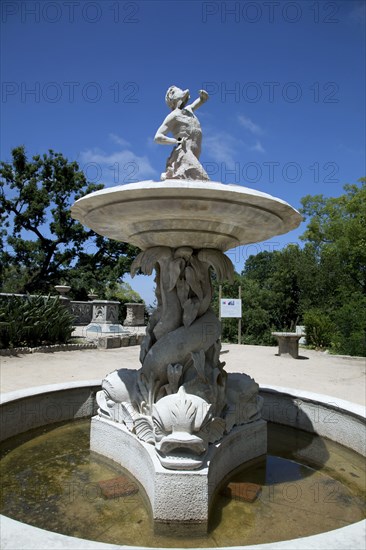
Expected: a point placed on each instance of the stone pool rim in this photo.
(16, 535)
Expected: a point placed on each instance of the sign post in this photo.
(231, 308)
(239, 323)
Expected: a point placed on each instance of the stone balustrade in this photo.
(104, 311)
(82, 311)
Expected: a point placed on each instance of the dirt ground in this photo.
(341, 377)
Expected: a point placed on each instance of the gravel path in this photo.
(342, 377)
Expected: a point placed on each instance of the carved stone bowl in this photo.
(185, 213)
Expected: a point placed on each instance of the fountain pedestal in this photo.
(181, 423)
(183, 496)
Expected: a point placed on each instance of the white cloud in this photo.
(116, 168)
(229, 155)
(221, 147)
(120, 141)
(224, 148)
(247, 123)
(257, 147)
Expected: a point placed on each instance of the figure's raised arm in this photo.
(161, 135)
(203, 97)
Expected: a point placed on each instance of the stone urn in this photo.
(62, 290)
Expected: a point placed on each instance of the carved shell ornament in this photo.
(181, 425)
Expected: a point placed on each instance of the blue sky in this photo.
(286, 113)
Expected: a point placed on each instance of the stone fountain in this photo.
(181, 423)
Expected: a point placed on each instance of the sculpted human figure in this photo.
(185, 128)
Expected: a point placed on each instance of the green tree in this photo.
(337, 234)
(257, 322)
(322, 285)
(257, 318)
(337, 231)
(40, 242)
(122, 292)
(276, 276)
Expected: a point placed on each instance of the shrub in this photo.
(350, 320)
(33, 321)
(320, 329)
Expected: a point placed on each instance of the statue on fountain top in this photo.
(183, 124)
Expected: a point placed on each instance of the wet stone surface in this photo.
(120, 486)
(307, 485)
(246, 492)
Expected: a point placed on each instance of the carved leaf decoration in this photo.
(129, 414)
(175, 270)
(145, 346)
(144, 429)
(198, 268)
(220, 401)
(216, 353)
(183, 252)
(219, 262)
(190, 310)
(136, 264)
(199, 364)
(182, 291)
(147, 259)
(101, 398)
(174, 372)
(143, 387)
(162, 392)
(155, 389)
(193, 282)
(150, 259)
(159, 430)
(187, 366)
(213, 353)
(144, 409)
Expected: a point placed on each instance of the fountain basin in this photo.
(338, 420)
(181, 212)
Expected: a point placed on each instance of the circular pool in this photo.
(299, 485)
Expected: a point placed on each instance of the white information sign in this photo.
(230, 307)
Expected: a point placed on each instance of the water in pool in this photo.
(50, 479)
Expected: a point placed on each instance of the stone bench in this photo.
(288, 343)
